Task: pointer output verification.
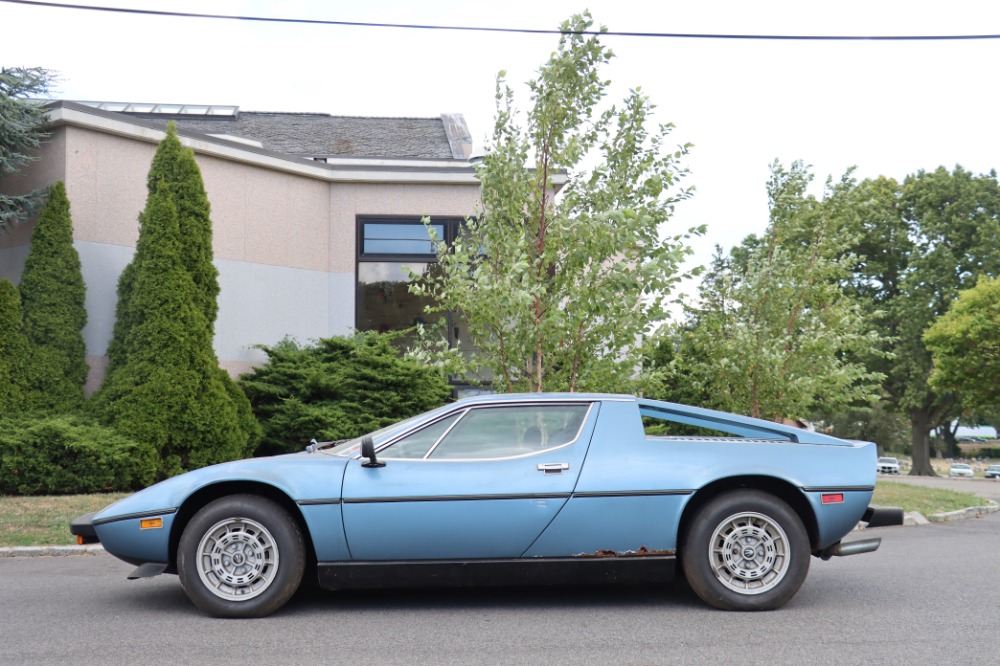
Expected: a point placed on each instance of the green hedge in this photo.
(58, 455)
(336, 388)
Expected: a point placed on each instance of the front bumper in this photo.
(82, 527)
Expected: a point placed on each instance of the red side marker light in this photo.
(833, 498)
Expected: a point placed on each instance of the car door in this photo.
(481, 482)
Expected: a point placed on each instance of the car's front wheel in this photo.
(746, 550)
(241, 556)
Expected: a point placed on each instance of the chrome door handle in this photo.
(552, 468)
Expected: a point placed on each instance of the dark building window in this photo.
(388, 248)
(399, 238)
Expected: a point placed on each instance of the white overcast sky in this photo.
(889, 108)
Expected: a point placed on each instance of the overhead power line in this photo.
(528, 31)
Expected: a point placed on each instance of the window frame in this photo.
(451, 224)
(465, 411)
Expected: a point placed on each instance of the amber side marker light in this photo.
(151, 523)
(79, 540)
(833, 498)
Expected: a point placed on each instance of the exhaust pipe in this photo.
(851, 548)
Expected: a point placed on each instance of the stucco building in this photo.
(314, 216)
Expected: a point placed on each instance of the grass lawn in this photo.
(44, 520)
(924, 500)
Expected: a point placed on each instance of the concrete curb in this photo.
(964, 514)
(51, 551)
(909, 518)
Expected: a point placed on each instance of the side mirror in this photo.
(368, 451)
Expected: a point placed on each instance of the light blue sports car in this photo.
(510, 489)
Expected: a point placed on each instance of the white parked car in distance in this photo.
(888, 465)
(960, 469)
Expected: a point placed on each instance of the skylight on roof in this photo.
(166, 109)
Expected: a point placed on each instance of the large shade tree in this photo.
(922, 241)
(558, 289)
(965, 347)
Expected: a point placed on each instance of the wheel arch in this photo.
(783, 490)
(203, 496)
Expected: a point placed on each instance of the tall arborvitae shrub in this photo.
(175, 169)
(337, 388)
(52, 302)
(164, 385)
(13, 352)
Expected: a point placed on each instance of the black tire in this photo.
(746, 550)
(241, 556)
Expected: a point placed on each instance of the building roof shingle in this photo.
(317, 135)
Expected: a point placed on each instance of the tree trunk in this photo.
(920, 440)
(951, 449)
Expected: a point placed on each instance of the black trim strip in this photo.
(527, 496)
(315, 502)
(454, 498)
(133, 516)
(632, 493)
(839, 489)
(583, 570)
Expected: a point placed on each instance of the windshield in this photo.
(349, 447)
(887, 460)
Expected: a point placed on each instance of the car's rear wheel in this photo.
(241, 556)
(746, 550)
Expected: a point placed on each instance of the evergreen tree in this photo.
(21, 123)
(164, 384)
(337, 388)
(52, 296)
(174, 168)
(13, 351)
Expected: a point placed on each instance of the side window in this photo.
(506, 432)
(417, 444)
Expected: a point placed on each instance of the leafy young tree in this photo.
(337, 388)
(52, 295)
(21, 121)
(965, 346)
(13, 352)
(926, 239)
(773, 333)
(165, 385)
(559, 289)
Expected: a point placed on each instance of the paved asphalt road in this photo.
(929, 595)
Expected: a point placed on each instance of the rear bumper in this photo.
(883, 516)
(875, 516)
